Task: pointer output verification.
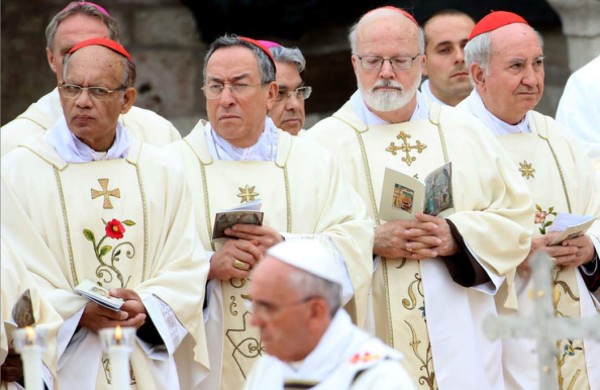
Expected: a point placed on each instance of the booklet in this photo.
(403, 196)
(248, 213)
(98, 294)
(570, 225)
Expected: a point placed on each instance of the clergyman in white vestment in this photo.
(507, 68)
(88, 201)
(239, 156)
(76, 22)
(309, 339)
(436, 278)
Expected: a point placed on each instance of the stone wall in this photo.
(166, 45)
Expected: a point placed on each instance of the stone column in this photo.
(581, 25)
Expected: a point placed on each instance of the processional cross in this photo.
(106, 193)
(544, 327)
(405, 147)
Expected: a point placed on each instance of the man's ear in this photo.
(128, 99)
(477, 75)
(50, 58)
(273, 90)
(424, 67)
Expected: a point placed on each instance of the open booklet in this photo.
(248, 213)
(402, 196)
(570, 226)
(98, 294)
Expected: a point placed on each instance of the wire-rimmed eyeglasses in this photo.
(72, 91)
(397, 63)
(215, 90)
(301, 93)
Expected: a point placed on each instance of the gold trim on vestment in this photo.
(68, 229)
(145, 211)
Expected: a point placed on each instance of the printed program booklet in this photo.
(570, 226)
(248, 213)
(98, 294)
(403, 196)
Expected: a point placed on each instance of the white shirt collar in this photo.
(426, 90)
(265, 149)
(497, 126)
(370, 119)
(73, 150)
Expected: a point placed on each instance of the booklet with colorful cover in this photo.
(403, 196)
(98, 294)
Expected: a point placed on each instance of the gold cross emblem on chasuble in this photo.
(526, 169)
(106, 193)
(247, 194)
(405, 147)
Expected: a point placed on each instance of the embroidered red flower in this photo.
(115, 229)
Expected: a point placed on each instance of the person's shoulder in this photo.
(149, 126)
(340, 123)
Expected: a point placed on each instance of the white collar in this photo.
(426, 90)
(497, 126)
(73, 150)
(265, 149)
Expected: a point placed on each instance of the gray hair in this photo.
(129, 70)
(479, 50)
(80, 8)
(352, 33)
(311, 285)
(266, 67)
(291, 55)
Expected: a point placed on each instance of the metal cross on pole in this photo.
(544, 327)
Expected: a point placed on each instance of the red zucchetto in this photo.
(396, 9)
(260, 46)
(494, 20)
(109, 43)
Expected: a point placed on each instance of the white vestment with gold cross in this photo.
(57, 214)
(418, 308)
(302, 192)
(561, 179)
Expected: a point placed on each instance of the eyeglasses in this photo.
(301, 93)
(215, 90)
(72, 91)
(267, 310)
(376, 62)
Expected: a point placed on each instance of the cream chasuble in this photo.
(561, 179)
(121, 223)
(418, 308)
(302, 192)
(145, 125)
(16, 280)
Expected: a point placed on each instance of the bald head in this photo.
(388, 22)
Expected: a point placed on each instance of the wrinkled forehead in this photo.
(232, 62)
(95, 62)
(515, 39)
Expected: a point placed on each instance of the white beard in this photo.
(389, 100)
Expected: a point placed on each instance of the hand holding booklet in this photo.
(248, 213)
(403, 196)
(570, 226)
(98, 294)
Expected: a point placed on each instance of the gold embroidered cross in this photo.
(247, 194)
(106, 193)
(526, 169)
(406, 147)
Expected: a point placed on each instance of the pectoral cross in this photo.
(405, 147)
(106, 193)
(544, 327)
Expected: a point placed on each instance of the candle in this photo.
(31, 344)
(116, 343)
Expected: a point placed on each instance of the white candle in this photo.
(31, 347)
(116, 343)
